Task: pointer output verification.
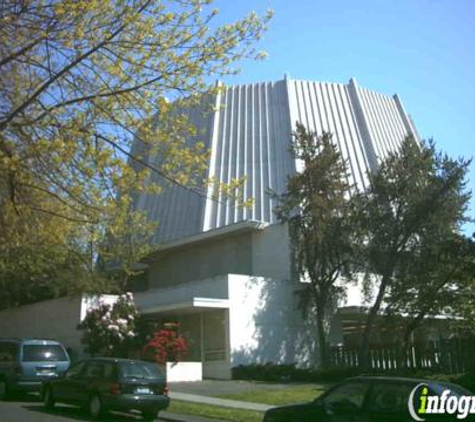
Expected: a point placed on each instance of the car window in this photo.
(389, 397)
(109, 370)
(455, 390)
(142, 370)
(44, 353)
(94, 370)
(75, 370)
(350, 395)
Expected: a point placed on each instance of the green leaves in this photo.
(111, 329)
(408, 221)
(79, 83)
(316, 206)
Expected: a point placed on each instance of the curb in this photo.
(178, 417)
(215, 401)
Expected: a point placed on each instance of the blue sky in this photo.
(423, 50)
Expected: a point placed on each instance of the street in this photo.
(29, 408)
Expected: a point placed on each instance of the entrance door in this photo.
(215, 342)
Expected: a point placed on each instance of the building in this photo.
(224, 272)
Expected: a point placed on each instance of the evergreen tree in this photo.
(415, 203)
(316, 206)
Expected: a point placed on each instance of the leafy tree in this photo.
(79, 82)
(415, 203)
(316, 206)
(435, 281)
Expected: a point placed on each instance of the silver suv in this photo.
(26, 363)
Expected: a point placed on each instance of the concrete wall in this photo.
(52, 319)
(203, 260)
(265, 324)
(271, 255)
(219, 370)
(214, 288)
(263, 253)
(249, 134)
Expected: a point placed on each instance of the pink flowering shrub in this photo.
(110, 330)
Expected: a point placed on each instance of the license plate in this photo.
(46, 371)
(143, 390)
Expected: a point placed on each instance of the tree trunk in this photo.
(407, 335)
(373, 313)
(322, 339)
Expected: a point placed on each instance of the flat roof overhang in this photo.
(196, 304)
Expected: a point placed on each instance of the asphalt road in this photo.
(29, 408)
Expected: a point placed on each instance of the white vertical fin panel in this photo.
(249, 133)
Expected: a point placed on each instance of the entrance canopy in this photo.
(188, 306)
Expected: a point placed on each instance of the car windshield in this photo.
(142, 370)
(44, 353)
(455, 390)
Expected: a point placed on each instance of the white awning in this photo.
(189, 306)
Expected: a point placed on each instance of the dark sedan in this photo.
(385, 399)
(103, 384)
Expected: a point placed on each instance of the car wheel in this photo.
(48, 398)
(3, 389)
(149, 416)
(95, 407)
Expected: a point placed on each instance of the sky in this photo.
(423, 50)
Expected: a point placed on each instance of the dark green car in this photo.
(103, 384)
(382, 399)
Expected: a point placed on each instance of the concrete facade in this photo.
(50, 319)
(226, 272)
(250, 312)
(55, 319)
(215, 254)
(248, 132)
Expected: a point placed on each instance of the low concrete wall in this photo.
(54, 319)
(220, 370)
(184, 371)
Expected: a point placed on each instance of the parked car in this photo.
(26, 363)
(103, 384)
(371, 399)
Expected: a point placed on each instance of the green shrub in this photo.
(290, 373)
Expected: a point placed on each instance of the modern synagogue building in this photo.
(225, 273)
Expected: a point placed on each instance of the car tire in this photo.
(96, 409)
(3, 389)
(149, 416)
(48, 398)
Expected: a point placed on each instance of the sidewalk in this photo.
(235, 404)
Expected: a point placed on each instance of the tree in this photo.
(415, 202)
(435, 281)
(465, 308)
(79, 82)
(316, 205)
